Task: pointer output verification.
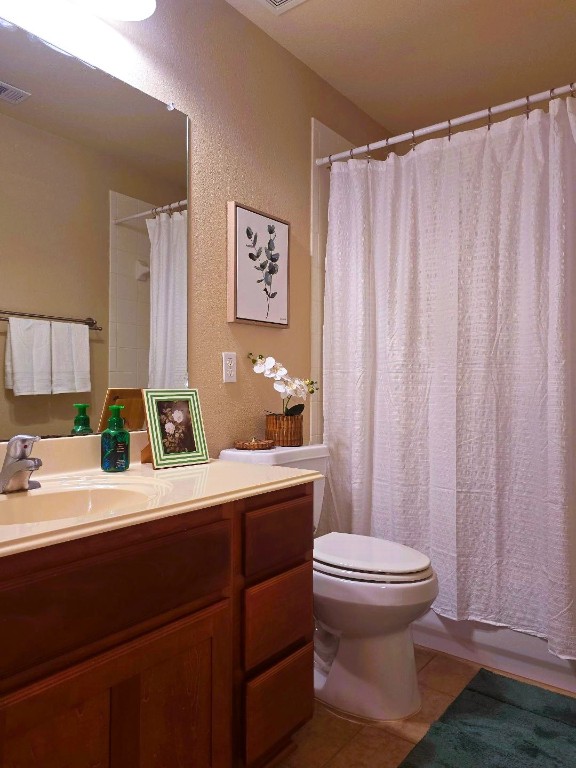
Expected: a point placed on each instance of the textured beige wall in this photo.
(54, 246)
(250, 104)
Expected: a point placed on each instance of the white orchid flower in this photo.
(264, 364)
(276, 372)
(290, 387)
(287, 386)
(301, 390)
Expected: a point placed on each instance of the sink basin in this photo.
(45, 504)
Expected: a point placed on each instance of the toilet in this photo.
(367, 592)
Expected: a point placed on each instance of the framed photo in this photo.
(175, 427)
(258, 267)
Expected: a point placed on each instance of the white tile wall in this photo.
(129, 297)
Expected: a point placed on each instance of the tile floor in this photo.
(328, 741)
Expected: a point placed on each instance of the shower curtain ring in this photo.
(552, 94)
(368, 152)
(449, 129)
(572, 90)
(527, 107)
(329, 162)
(351, 154)
(413, 142)
(489, 118)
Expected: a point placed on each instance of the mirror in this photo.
(82, 150)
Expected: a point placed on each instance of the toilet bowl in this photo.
(367, 592)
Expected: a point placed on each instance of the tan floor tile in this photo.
(422, 656)
(415, 728)
(320, 739)
(372, 748)
(447, 674)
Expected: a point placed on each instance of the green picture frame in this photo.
(175, 427)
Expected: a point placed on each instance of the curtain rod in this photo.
(89, 321)
(449, 124)
(153, 211)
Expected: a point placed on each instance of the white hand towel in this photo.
(70, 358)
(27, 361)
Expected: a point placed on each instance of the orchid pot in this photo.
(286, 428)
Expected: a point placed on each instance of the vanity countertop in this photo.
(144, 494)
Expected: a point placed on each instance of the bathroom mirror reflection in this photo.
(83, 150)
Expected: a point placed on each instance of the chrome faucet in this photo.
(18, 466)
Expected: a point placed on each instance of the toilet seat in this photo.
(365, 558)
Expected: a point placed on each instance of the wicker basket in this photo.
(284, 430)
(254, 445)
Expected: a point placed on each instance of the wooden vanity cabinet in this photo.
(115, 649)
(273, 621)
(185, 642)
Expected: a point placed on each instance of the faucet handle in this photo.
(20, 446)
(18, 466)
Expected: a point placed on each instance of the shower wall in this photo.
(497, 647)
(129, 294)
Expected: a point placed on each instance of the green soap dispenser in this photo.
(115, 443)
(81, 421)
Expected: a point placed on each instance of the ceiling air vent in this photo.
(280, 6)
(12, 94)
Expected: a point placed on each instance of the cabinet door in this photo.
(96, 598)
(161, 701)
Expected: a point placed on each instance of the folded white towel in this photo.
(27, 360)
(70, 358)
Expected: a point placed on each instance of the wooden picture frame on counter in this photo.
(133, 413)
(258, 267)
(175, 427)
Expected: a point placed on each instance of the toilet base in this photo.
(372, 678)
(351, 718)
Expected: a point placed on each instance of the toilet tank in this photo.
(313, 457)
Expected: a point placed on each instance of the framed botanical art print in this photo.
(175, 427)
(258, 267)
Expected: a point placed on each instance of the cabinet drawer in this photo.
(60, 610)
(278, 613)
(278, 702)
(277, 535)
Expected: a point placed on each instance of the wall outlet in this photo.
(228, 367)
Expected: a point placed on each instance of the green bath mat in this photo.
(500, 723)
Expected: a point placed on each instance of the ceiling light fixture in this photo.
(120, 10)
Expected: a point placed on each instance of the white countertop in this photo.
(146, 494)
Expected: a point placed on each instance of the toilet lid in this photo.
(367, 558)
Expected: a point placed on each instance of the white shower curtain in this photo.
(448, 386)
(168, 362)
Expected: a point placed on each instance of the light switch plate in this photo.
(228, 367)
